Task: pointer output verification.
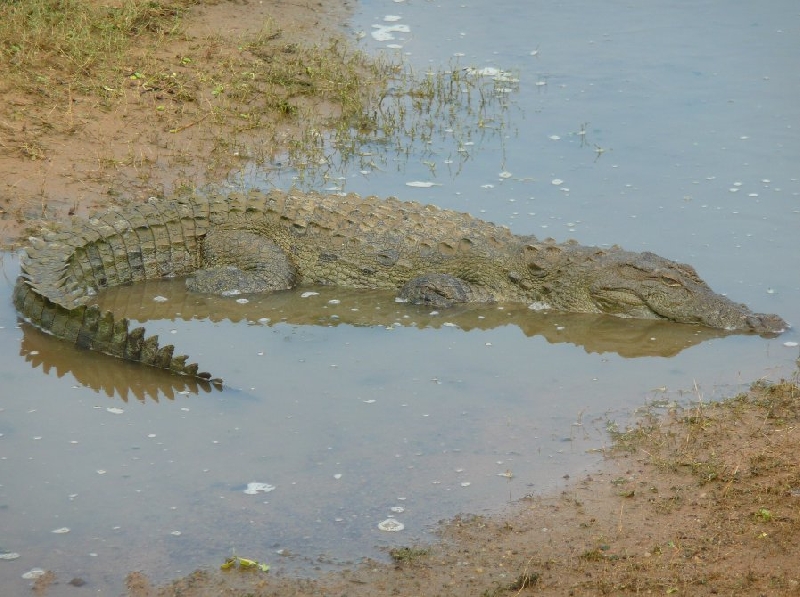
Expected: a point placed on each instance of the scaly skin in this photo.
(260, 242)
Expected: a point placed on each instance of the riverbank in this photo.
(703, 499)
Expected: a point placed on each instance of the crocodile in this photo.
(260, 242)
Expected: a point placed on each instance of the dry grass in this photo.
(51, 48)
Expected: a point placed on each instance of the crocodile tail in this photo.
(61, 272)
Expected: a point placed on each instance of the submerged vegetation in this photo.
(436, 115)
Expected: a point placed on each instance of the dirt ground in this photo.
(701, 500)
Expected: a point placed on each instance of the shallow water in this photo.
(353, 408)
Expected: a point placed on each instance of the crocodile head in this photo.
(644, 285)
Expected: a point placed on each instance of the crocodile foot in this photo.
(440, 291)
(241, 262)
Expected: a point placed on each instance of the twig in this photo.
(190, 125)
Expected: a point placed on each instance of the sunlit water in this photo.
(671, 129)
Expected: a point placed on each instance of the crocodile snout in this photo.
(766, 324)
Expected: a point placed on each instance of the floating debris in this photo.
(390, 525)
(557, 181)
(308, 294)
(397, 509)
(33, 573)
(385, 32)
(539, 306)
(243, 564)
(465, 484)
(60, 531)
(160, 299)
(254, 488)
(422, 184)
(505, 174)
(790, 344)
(10, 555)
(176, 533)
(115, 411)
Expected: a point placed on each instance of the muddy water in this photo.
(350, 404)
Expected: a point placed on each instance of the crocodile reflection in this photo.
(331, 306)
(328, 306)
(102, 373)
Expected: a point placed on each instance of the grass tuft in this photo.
(48, 47)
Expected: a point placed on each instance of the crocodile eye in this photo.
(671, 281)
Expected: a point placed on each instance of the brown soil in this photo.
(704, 500)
